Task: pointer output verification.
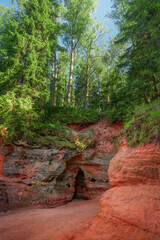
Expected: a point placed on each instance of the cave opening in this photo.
(80, 186)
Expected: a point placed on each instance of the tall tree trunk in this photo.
(71, 73)
(145, 98)
(155, 87)
(99, 90)
(55, 79)
(87, 86)
(52, 81)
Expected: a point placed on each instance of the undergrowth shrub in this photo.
(20, 113)
(17, 114)
(71, 115)
(21, 119)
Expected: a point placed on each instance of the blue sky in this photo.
(104, 7)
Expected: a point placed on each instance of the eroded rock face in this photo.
(133, 166)
(51, 177)
(131, 210)
(127, 213)
(2, 155)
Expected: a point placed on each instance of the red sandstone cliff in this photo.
(1, 158)
(131, 209)
(49, 177)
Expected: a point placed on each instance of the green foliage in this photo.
(111, 115)
(144, 125)
(24, 46)
(72, 115)
(58, 142)
(24, 49)
(138, 23)
(17, 115)
(77, 17)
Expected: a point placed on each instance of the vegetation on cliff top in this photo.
(65, 138)
(20, 120)
(144, 125)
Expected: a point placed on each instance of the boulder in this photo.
(127, 213)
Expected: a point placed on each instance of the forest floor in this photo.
(60, 223)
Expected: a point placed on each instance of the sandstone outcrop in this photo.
(131, 209)
(49, 177)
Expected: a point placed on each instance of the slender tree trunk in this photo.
(55, 79)
(99, 90)
(87, 87)
(155, 87)
(145, 98)
(71, 73)
(52, 81)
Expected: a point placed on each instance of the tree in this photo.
(93, 47)
(24, 50)
(29, 34)
(89, 57)
(57, 12)
(62, 73)
(138, 23)
(77, 18)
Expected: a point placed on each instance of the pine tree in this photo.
(138, 23)
(25, 48)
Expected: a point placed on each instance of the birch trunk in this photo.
(71, 73)
(55, 79)
(87, 87)
(52, 81)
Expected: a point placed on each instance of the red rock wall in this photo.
(1, 158)
(131, 210)
(47, 176)
(1, 163)
(134, 166)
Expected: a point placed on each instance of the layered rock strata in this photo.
(49, 177)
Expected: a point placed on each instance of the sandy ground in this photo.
(60, 223)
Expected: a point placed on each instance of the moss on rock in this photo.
(68, 138)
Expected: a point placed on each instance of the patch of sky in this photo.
(105, 7)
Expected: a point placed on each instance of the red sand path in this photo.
(61, 223)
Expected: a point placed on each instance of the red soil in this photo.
(61, 223)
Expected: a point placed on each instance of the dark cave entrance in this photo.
(80, 186)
